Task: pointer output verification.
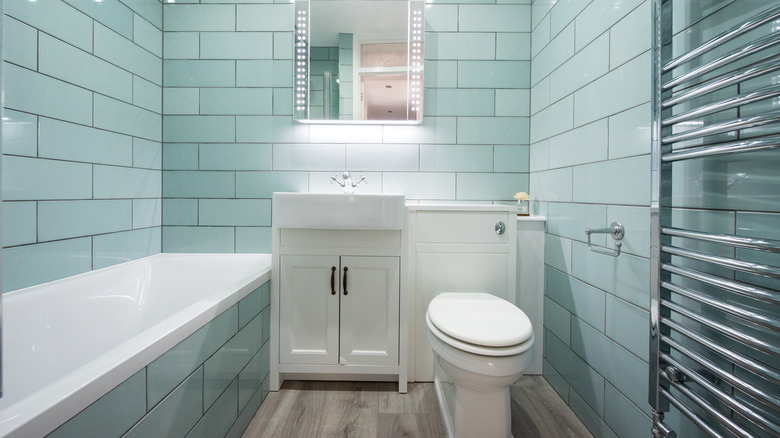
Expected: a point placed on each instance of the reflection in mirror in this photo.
(359, 60)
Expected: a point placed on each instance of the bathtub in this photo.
(68, 342)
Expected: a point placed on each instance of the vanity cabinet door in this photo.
(370, 310)
(309, 311)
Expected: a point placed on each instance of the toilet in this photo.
(482, 345)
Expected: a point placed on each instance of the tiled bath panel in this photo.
(209, 385)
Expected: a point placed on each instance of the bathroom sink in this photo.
(335, 211)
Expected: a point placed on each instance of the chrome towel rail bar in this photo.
(731, 125)
(759, 19)
(753, 47)
(733, 147)
(719, 83)
(747, 290)
(739, 312)
(750, 341)
(724, 104)
(739, 265)
(726, 239)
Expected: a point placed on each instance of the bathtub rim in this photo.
(43, 411)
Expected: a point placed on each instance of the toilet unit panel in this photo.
(466, 227)
(457, 249)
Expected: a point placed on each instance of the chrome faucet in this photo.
(348, 186)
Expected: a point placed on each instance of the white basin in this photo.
(334, 211)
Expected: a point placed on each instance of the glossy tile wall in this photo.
(590, 165)
(82, 132)
(230, 140)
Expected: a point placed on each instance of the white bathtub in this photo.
(68, 342)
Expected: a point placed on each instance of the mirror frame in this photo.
(301, 67)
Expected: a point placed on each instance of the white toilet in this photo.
(482, 346)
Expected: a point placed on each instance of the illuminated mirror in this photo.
(358, 61)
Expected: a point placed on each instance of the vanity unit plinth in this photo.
(337, 307)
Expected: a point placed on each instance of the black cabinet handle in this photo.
(345, 280)
(333, 280)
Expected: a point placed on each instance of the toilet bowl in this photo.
(482, 345)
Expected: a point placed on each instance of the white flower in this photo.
(522, 196)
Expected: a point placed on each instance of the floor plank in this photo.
(375, 409)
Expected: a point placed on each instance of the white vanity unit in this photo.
(457, 248)
(337, 307)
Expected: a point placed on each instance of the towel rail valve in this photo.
(616, 230)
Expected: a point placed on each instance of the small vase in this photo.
(522, 208)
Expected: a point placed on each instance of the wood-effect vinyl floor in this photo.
(376, 409)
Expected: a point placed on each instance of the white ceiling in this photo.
(328, 18)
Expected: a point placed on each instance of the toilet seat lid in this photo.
(480, 319)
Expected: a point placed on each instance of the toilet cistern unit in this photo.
(482, 345)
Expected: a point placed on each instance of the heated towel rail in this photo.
(715, 213)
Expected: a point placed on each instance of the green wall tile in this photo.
(176, 414)
(68, 141)
(238, 212)
(33, 264)
(224, 366)
(199, 128)
(264, 73)
(24, 49)
(180, 156)
(19, 224)
(66, 219)
(151, 11)
(38, 94)
(186, 184)
(493, 74)
(170, 369)
(147, 35)
(493, 130)
(255, 240)
(147, 95)
(147, 154)
(217, 421)
(196, 73)
(229, 101)
(582, 378)
(112, 414)
(180, 212)
(459, 102)
(263, 184)
(198, 239)
(114, 248)
(233, 156)
(271, 17)
(494, 18)
(64, 180)
(55, 18)
(236, 45)
(181, 101)
(125, 182)
(124, 53)
(20, 133)
(181, 45)
(113, 115)
(581, 299)
(456, 158)
(199, 17)
(112, 13)
(456, 46)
